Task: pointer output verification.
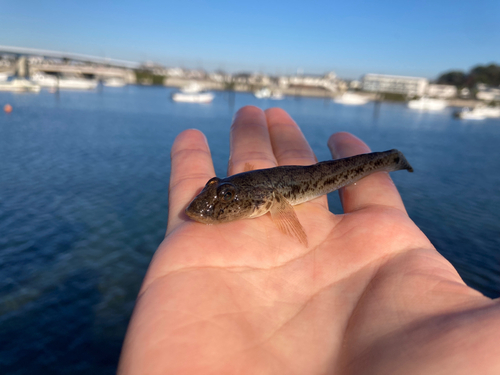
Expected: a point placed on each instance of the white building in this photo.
(328, 81)
(486, 93)
(410, 86)
(442, 91)
(175, 72)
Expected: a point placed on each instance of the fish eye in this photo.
(226, 192)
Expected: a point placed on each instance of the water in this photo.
(83, 204)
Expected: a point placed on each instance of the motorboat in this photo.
(19, 85)
(478, 113)
(428, 104)
(192, 88)
(4, 76)
(69, 83)
(193, 93)
(350, 98)
(200, 97)
(76, 83)
(266, 93)
(277, 95)
(45, 80)
(114, 82)
(263, 93)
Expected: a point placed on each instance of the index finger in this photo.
(191, 169)
(376, 189)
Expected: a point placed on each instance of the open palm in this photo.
(369, 294)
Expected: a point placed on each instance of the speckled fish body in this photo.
(275, 190)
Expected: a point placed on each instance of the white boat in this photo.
(197, 97)
(479, 113)
(192, 88)
(428, 104)
(114, 82)
(266, 93)
(75, 83)
(44, 80)
(19, 85)
(490, 112)
(263, 93)
(350, 98)
(4, 76)
(277, 95)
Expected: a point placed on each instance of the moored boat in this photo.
(350, 98)
(478, 113)
(114, 82)
(75, 83)
(19, 85)
(428, 104)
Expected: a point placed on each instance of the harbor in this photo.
(84, 201)
(28, 70)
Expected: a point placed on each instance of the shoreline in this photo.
(307, 92)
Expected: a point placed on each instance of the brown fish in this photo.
(275, 190)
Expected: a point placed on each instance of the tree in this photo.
(456, 78)
(489, 74)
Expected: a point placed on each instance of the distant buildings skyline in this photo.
(237, 71)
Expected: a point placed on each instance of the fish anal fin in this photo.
(286, 219)
(248, 167)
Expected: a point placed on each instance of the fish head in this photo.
(222, 201)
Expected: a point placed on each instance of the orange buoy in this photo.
(7, 108)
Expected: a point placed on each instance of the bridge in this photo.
(68, 63)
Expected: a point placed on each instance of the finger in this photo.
(373, 190)
(289, 144)
(249, 141)
(191, 169)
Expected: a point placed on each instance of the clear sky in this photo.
(350, 37)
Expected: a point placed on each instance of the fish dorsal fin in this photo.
(248, 167)
(285, 218)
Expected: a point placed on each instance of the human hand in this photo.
(369, 294)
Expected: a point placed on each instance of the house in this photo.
(442, 91)
(327, 81)
(487, 93)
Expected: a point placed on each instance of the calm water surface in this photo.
(83, 204)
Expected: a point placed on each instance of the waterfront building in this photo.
(220, 77)
(487, 93)
(175, 72)
(442, 91)
(327, 81)
(409, 86)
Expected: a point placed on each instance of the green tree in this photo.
(456, 78)
(489, 74)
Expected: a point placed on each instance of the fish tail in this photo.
(401, 162)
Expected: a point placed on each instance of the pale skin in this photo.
(369, 295)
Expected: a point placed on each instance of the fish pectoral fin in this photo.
(249, 167)
(286, 219)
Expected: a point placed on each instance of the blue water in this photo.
(83, 204)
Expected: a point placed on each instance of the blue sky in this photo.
(351, 37)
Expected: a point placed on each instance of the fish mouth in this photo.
(198, 216)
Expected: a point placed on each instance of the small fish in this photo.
(275, 190)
